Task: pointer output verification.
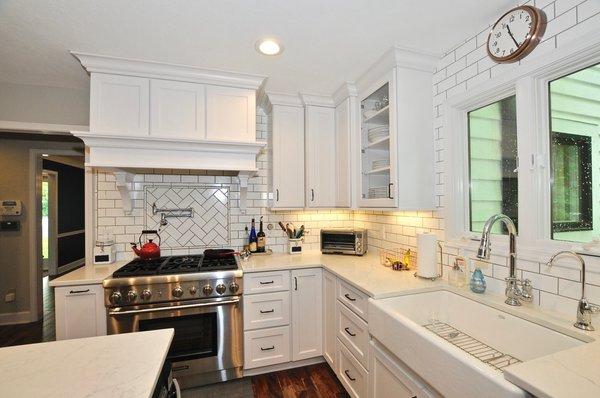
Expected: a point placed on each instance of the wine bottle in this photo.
(253, 239)
(261, 242)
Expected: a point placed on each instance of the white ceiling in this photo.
(326, 41)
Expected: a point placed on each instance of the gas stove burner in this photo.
(178, 265)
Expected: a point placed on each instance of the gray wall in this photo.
(15, 179)
(41, 104)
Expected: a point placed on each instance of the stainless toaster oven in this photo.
(344, 241)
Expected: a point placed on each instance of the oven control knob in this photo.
(207, 290)
(234, 287)
(193, 290)
(146, 294)
(131, 296)
(116, 298)
(178, 292)
(221, 289)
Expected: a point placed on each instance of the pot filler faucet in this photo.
(584, 308)
(516, 289)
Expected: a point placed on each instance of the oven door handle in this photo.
(175, 308)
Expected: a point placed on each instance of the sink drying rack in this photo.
(486, 354)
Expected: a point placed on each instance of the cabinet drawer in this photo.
(353, 332)
(266, 310)
(352, 375)
(266, 347)
(266, 282)
(354, 299)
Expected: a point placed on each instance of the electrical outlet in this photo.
(10, 297)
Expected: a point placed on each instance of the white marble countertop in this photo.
(89, 274)
(565, 374)
(121, 365)
(365, 273)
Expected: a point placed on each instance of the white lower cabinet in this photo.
(280, 326)
(306, 313)
(329, 313)
(354, 333)
(266, 347)
(266, 310)
(389, 377)
(80, 311)
(353, 376)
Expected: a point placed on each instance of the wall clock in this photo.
(516, 34)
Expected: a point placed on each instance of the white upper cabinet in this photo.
(396, 155)
(320, 156)
(230, 114)
(346, 121)
(287, 141)
(119, 104)
(177, 109)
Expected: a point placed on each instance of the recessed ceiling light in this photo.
(268, 47)
(45, 155)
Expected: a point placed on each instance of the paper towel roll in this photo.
(427, 266)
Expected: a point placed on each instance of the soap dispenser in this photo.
(457, 276)
(477, 283)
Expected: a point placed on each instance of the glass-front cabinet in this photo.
(397, 146)
(376, 170)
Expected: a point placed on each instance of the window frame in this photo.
(530, 83)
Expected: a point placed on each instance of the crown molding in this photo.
(399, 57)
(94, 63)
(284, 99)
(317, 100)
(347, 89)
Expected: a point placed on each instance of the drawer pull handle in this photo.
(79, 291)
(348, 374)
(266, 283)
(267, 312)
(349, 332)
(268, 348)
(349, 298)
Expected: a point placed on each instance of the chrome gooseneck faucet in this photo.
(584, 309)
(516, 289)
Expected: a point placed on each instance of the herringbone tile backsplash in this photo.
(209, 224)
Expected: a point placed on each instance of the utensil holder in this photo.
(295, 245)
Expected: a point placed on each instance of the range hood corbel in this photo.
(124, 179)
(243, 177)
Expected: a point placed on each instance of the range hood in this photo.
(151, 115)
(127, 152)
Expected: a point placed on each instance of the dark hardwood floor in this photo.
(308, 381)
(35, 332)
(314, 381)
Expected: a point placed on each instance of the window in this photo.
(575, 126)
(493, 176)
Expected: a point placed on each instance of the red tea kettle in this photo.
(149, 250)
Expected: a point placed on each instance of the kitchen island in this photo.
(122, 365)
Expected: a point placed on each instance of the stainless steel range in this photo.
(200, 296)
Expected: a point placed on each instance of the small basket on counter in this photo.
(398, 259)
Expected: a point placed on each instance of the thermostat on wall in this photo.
(11, 207)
